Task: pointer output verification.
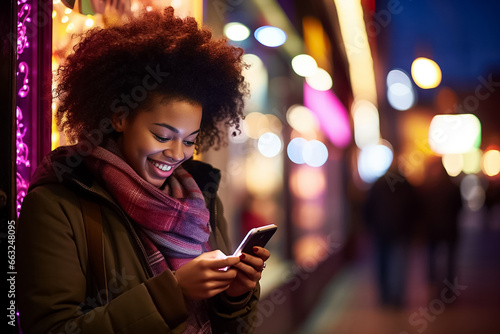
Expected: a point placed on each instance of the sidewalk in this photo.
(349, 303)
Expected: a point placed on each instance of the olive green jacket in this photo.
(55, 292)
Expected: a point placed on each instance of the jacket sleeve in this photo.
(52, 278)
(234, 316)
(229, 315)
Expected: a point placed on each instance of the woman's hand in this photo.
(202, 277)
(249, 271)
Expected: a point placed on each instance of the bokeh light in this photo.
(304, 65)
(263, 176)
(472, 192)
(398, 76)
(374, 161)
(400, 92)
(255, 124)
(315, 153)
(302, 119)
(310, 250)
(457, 133)
(453, 163)
(472, 161)
(294, 150)
(236, 31)
(274, 123)
(366, 123)
(426, 73)
(89, 22)
(307, 183)
(331, 114)
(356, 41)
(467, 186)
(70, 28)
(270, 36)
(320, 80)
(491, 162)
(269, 144)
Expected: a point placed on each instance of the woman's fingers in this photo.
(253, 261)
(253, 264)
(202, 277)
(216, 254)
(218, 283)
(257, 259)
(223, 263)
(217, 260)
(263, 253)
(245, 281)
(249, 271)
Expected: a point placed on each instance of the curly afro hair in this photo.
(122, 67)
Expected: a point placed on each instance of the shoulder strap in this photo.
(93, 229)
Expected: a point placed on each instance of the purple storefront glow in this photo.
(331, 113)
(24, 61)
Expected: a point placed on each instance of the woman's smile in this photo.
(160, 170)
(162, 167)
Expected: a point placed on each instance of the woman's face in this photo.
(156, 141)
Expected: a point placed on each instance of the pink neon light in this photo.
(23, 68)
(332, 115)
(22, 17)
(22, 188)
(22, 150)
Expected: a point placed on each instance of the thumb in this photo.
(227, 262)
(213, 255)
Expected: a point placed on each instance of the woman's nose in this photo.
(174, 151)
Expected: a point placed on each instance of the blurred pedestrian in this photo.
(390, 212)
(441, 202)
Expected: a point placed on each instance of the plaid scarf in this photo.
(174, 220)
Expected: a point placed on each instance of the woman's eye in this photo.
(189, 143)
(160, 139)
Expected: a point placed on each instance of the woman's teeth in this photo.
(164, 168)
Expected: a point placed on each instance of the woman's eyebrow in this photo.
(171, 128)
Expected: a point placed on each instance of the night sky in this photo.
(462, 36)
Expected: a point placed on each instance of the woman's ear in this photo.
(119, 120)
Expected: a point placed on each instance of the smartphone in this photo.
(258, 236)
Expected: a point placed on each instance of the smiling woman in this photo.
(127, 206)
(158, 140)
